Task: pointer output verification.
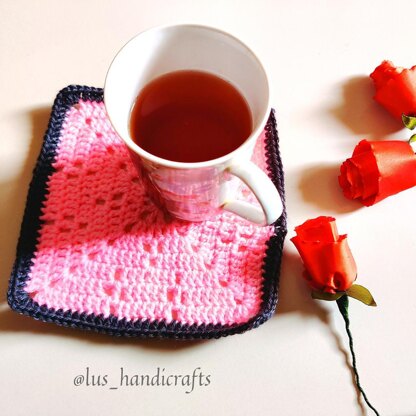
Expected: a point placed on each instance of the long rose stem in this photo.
(342, 303)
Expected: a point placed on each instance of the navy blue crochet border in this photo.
(20, 301)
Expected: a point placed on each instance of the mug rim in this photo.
(206, 163)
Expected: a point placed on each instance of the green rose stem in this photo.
(342, 303)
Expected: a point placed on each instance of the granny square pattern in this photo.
(95, 253)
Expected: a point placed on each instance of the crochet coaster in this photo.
(95, 253)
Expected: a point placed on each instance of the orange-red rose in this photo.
(395, 89)
(377, 170)
(326, 255)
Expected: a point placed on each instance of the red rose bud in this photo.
(395, 89)
(331, 272)
(329, 264)
(377, 170)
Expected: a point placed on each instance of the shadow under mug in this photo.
(196, 191)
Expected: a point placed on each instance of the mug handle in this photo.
(263, 189)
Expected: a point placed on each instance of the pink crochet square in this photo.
(104, 248)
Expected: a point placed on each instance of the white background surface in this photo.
(319, 56)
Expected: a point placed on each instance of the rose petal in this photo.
(396, 162)
(353, 178)
(395, 88)
(318, 229)
(367, 171)
(330, 266)
(385, 71)
(344, 180)
(359, 175)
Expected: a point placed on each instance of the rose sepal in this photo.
(362, 294)
(409, 121)
(326, 296)
(357, 292)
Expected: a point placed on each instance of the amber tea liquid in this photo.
(190, 116)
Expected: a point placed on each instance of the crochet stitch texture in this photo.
(96, 253)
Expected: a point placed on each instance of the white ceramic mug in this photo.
(196, 191)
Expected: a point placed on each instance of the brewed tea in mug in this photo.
(190, 116)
